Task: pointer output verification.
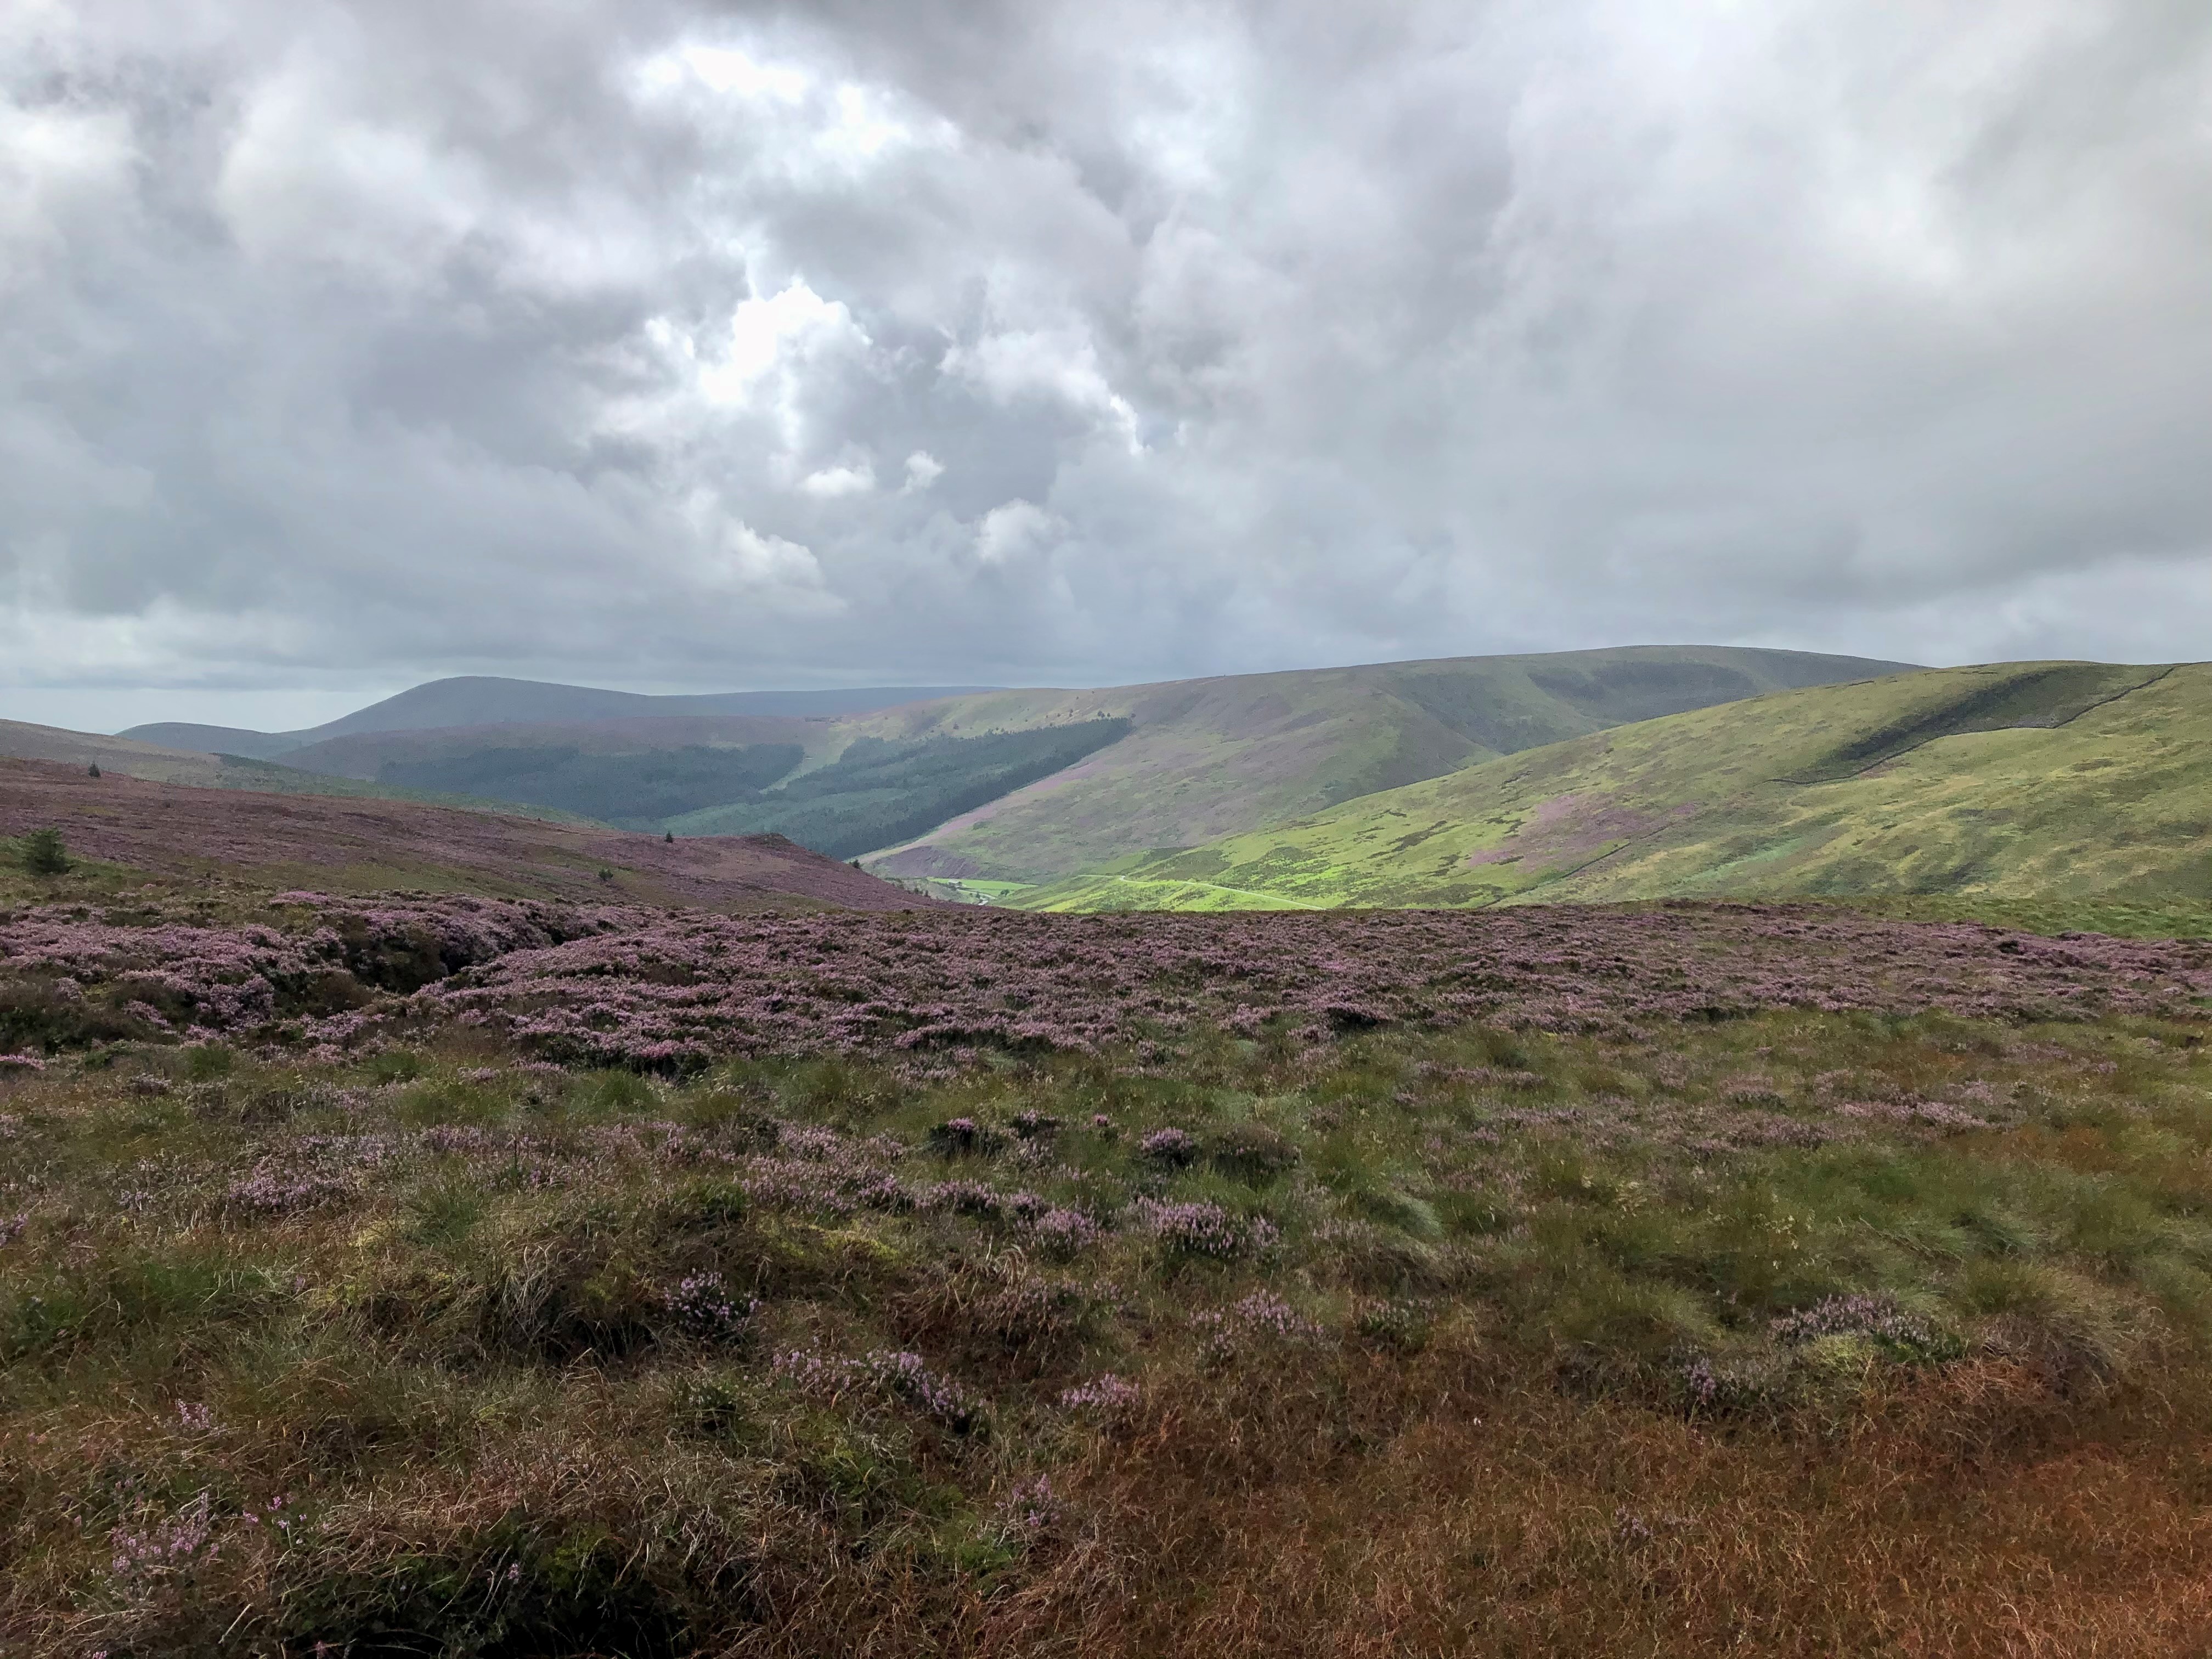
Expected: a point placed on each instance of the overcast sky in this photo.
(685, 346)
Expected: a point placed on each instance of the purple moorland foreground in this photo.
(670, 991)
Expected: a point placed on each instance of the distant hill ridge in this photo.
(486, 700)
(1000, 789)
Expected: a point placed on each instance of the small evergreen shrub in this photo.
(45, 854)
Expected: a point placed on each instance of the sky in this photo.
(683, 346)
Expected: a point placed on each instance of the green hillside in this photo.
(1209, 758)
(2012, 782)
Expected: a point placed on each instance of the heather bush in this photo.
(1251, 1153)
(1170, 1148)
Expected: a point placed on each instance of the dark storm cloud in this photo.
(683, 344)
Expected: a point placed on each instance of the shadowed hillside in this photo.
(2017, 781)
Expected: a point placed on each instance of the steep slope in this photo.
(2015, 781)
(1214, 758)
(827, 787)
(485, 700)
(879, 791)
(366, 846)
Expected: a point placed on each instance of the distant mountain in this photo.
(2015, 781)
(482, 699)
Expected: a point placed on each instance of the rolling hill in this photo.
(2017, 781)
(484, 700)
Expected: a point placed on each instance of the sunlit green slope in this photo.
(2012, 782)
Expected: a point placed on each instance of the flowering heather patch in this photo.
(1063, 1233)
(1106, 1394)
(1200, 1228)
(1872, 1316)
(279, 1191)
(1027, 1511)
(853, 1180)
(669, 991)
(244, 977)
(902, 1377)
(182, 832)
(1931, 1113)
(1262, 1317)
(705, 1310)
(169, 1547)
(1171, 1148)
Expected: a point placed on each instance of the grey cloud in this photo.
(351, 343)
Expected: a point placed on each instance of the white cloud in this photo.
(1013, 529)
(833, 482)
(1062, 367)
(58, 167)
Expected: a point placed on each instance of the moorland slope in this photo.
(366, 845)
(132, 757)
(2014, 781)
